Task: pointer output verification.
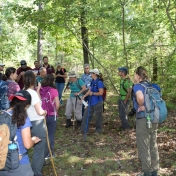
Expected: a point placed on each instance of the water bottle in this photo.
(13, 146)
(149, 123)
(13, 154)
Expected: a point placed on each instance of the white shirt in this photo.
(31, 112)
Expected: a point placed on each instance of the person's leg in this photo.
(68, 112)
(61, 88)
(98, 109)
(51, 125)
(143, 145)
(39, 130)
(154, 150)
(122, 114)
(86, 119)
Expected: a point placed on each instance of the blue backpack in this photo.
(154, 104)
(4, 101)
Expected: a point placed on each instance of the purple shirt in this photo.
(49, 69)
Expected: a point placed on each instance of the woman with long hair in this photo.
(50, 103)
(18, 105)
(36, 115)
(96, 102)
(146, 137)
(13, 87)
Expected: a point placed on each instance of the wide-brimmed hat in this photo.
(22, 95)
(72, 74)
(95, 70)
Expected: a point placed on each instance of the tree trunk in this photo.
(39, 42)
(123, 33)
(84, 36)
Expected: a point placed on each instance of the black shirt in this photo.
(60, 79)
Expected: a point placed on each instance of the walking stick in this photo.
(87, 119)
(51, 158)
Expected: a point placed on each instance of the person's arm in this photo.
(57, 103)
(26, 137)
(140, 100)
(100, 92)
(83, 88)
(128, 95)
(88, 93)
(19, 76)
(38, 89)
(39, 109)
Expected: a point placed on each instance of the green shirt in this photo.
(74, 88)
(125, 84)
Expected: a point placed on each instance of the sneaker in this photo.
(48, 157)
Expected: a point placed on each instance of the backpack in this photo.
(154, 104)
(9, 159)
(4, 101)
(47, 103)
(104, 89)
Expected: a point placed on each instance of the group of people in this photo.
(34, 84)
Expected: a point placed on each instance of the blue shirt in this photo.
(74, 88)
(22, 149)
(136, 88)
(86, 79)
(95, 86)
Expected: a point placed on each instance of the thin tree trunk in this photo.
(123, 33)
(84, 36)
(39, 43)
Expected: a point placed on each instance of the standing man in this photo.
(49, 68)
(37, 67)
(86, 77)
(61, 76)
(20, 72)
(2, 67)
(125, 93)
(43, 73)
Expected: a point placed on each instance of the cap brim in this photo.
(19, 97)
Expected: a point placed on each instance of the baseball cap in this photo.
(95, 70)
(22, 95)
(23, 62)
(124, 69)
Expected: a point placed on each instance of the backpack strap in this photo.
(77, 84)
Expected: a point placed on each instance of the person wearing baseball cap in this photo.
(20, 72)
(18, 106)
(125, 93)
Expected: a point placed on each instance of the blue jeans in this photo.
(60, 88)
(51, 125)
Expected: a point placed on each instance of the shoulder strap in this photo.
(77, 84)
(123, 85)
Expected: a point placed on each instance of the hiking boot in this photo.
(78, 124)
(68, 123)
(154, 173)
(144, 174)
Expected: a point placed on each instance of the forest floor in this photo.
(112, 153)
